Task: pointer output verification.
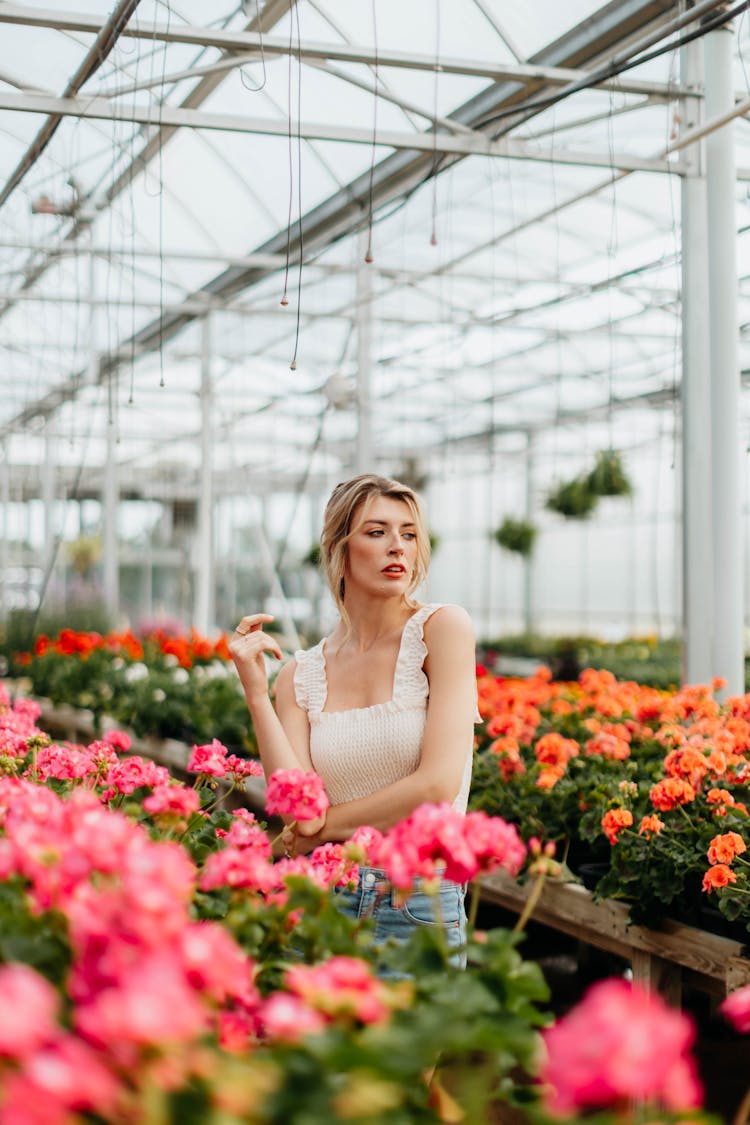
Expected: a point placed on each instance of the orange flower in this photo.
(554, 750)
(670, 793)
(719, 876)
(687, 763)
(614, 821)
(549, 776)
(650, 826)
(723, 849)
(609, 746)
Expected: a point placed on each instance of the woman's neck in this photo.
(371, 621)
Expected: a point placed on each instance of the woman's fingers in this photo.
(252, 622)
(250, 645)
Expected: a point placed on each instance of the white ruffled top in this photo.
(364, 749)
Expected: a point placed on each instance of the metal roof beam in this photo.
(336, 52)
(468, 143)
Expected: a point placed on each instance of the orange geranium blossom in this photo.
(723, 849)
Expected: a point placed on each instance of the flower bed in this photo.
(159, 966)
(181, 687)
(650, 783)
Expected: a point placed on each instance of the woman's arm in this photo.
(282, 734)
(448, 738)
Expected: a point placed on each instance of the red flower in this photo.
(718, 876)
(614, 821)
(723, 849)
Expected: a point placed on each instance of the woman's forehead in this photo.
(387, 508)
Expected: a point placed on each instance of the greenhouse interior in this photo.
(498, 253)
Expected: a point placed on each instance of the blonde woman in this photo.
(382, 708)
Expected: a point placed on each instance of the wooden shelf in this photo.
(661, 959)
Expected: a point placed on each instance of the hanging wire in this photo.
(243, 79)
(368, 251)
(290, 154)
(433, 234)
(612, 248)
(293, 364)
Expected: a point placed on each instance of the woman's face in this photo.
(382, 552)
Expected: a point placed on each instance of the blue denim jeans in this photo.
(396, 917)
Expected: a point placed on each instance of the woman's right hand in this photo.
(248, 647)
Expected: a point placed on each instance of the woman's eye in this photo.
(376, 531)
(409, 535)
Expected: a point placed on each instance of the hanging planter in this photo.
(608, 477)
(573, 499)
(313, 556)
(516, 535)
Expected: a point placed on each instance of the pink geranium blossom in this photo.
(238, 867)
(288, 1019)
(176, 799)
(602, 1053)
(28, 1013)
(209, 759)
(438, 840)
(341, 986)
(736, 1009)
(296, 793)
(134, 773)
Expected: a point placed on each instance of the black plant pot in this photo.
(591, 873)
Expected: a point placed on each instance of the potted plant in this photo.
(608, 476)
(574, 499)
(516, 535)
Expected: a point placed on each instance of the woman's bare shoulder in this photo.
(449, 621)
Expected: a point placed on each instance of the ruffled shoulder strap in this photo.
(310, 684)
(410, 682)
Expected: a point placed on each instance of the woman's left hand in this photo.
(303, 836)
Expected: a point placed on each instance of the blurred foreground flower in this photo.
(620, 1044)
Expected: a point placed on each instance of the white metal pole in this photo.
(110, 505)
(48, 493)
(204, 555)
(363, 455)
(696, 461)
(529, 615)
(5, 538)
(728, 657)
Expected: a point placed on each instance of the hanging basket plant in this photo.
(313, 556)
(608, 477)
(516, 535)
(573, 499)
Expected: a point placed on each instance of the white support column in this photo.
(529, 615)
(48, 493)
(5, 537)
(363, 459)
(204, 553)
(110, 505)
(697, 542)
(726, 533)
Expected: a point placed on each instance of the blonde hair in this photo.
(345, 501)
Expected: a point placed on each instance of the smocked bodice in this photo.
(364, 749)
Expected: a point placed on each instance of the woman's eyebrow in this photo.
(384, 523)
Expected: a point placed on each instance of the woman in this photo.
(383, 708)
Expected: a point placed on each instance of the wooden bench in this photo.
(661, 959)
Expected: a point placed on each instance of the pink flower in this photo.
(135, 773)
(437, 840)
(118, 740)
(341, 986)
(602, 1053)
(152, 1005)
(238, 867)
(28, 1013)
(331, 865)
(210, 759)
(172, 799)
(70, 1073)
(215, 965)
(296, 793)
(244, 767)
(288, 1019)
(736, 1009)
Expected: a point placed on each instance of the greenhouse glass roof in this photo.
(419, 236)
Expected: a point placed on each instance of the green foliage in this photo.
(573, 499)
(608, 477)
(516, 535)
